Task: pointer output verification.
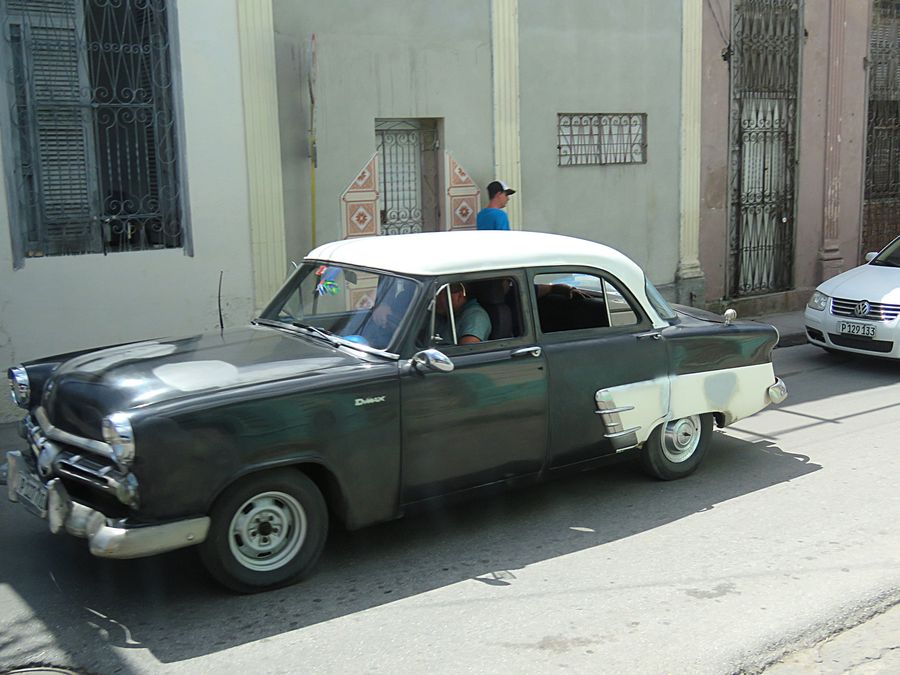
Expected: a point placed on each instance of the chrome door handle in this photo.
(652, 334)
(527, 351)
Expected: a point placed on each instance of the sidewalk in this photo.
(790, 327)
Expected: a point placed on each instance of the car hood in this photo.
(866, 282)
(87, 387)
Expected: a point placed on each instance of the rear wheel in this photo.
(267, 530)
(676, 448)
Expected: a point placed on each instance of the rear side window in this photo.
(576, 301)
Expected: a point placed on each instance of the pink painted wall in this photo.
(810, 176)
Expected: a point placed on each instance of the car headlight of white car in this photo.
(818, 301)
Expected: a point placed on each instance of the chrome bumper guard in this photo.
(778, 391)
(108, 538)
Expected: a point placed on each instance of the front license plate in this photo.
(860, 329)
(32, 492)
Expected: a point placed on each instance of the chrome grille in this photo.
(877, 311)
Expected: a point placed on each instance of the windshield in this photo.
(889, 256)
(360, 306)
(659, 303)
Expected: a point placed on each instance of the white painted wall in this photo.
(58, 304)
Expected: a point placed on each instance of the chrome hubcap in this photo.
(681, 438)
(267, 531)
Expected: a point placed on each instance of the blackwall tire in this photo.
(267, 531)
(676, 448)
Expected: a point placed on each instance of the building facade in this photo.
(800, 145)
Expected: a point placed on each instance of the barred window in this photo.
(601, 138)
(92, 152)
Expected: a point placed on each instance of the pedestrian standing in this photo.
(492, 216)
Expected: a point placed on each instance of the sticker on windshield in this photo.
(327, 284)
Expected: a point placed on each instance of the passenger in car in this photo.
(472, 321)
(391, 302)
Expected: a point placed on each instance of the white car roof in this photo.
(441, 253)
(446, 253)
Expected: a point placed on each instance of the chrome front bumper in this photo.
(108, 538)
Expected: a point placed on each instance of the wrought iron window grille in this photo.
(881, 199)
(601, 138)
(93, 152)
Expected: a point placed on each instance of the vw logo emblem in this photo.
(862, 308)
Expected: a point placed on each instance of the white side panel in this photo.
(736, 392)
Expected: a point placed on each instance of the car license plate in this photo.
(33, 492)
(860, 329)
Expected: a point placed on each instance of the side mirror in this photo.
(870, 256)
(432, 359)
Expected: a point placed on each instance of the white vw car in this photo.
(859, 311)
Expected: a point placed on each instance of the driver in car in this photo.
(472, 321)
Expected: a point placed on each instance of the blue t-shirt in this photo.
(492, 219)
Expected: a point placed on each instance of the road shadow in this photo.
(833, 374)
(169, 606)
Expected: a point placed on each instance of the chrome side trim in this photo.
(610, 411)
(620, 437)
(89, 444)
(619, 434)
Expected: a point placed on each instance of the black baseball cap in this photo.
(498, 186)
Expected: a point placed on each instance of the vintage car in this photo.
(387, 371)
(859, 311)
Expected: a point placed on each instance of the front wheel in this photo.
(267, 530)
(676, 448)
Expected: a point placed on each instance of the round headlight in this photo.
(818, 301)
(19, 386)
(118, 433)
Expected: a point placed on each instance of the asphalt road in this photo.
(787, 533)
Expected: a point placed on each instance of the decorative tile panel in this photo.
(463, 196)
(359, 203)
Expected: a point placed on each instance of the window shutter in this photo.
(52, 97)
(62, 141)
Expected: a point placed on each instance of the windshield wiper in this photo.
(884, 263)
(320, 332)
